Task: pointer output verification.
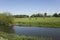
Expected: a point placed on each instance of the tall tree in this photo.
(45, 14)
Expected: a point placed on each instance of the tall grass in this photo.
(41, 22)
(6, 36)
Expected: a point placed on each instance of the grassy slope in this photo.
(6, 36)
(48, 21)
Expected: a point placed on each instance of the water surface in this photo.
(37, 31)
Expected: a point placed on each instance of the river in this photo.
(38, 31)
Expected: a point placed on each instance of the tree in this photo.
(55, 15)
(37, 15)
(45, 14)
(33, 15)
(59, 14)
(6, 20)
(21, 16)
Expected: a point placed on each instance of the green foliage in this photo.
(21, 16)
(6, 20)
(55, 15)
(7, 36)
(59, 14)
(45, 14)
(37, 15)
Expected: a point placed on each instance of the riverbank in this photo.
(6, 36)
(53, 22)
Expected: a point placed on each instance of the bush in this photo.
(6, 21)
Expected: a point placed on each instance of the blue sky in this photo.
(30, 6)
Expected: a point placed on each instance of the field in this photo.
(39, 22)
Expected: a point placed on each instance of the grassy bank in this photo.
(6, 36)
(41, 22)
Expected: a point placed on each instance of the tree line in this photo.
(37, 15)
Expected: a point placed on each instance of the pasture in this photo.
(38, 21)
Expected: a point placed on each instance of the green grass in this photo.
(6, 36)
(40, 22)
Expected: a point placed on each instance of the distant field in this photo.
(40, 22)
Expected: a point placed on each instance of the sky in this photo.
(30, 7)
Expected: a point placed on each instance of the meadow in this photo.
(53, 22)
